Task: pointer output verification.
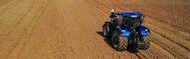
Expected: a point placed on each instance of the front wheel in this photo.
(106, 28)
(144, 44)
(119, 43)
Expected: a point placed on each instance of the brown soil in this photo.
(71, 29)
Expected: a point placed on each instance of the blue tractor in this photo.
(126, 29)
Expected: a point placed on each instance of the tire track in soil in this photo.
(49, 27)
(3, 10)
(21, 41)
(156, 31)
(19, 19)
(174, 38)
(30, 29)
(16, 24)
(3, 2)
(72, 48)
(173, 49)
(103, 11)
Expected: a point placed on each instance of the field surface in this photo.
(71, 29)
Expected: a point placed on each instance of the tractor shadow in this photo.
(105, 39)
(130, 47)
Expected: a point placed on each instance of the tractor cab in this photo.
(125, 29)
(132, 19)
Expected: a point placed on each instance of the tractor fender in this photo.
(144, 31)
(124, 30)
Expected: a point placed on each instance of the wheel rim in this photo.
(107, 28)
(104, 31)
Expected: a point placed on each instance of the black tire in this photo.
(146, 43)
(118, 42)
(145, 46)
(106, 29)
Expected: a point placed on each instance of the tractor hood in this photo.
(124, 31)
(144, 31)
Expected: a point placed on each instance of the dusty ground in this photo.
(71, 29)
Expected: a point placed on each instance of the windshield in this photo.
(133, 22)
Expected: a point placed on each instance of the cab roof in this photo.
(131, 14)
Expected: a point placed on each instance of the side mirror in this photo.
(112, 15)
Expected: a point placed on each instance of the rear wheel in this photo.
(118, 42)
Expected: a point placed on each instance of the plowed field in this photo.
(71, 29)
